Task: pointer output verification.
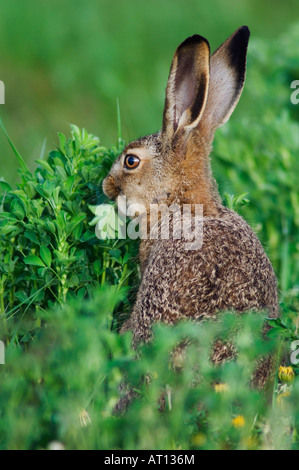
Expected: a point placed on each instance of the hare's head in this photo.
(173, 164)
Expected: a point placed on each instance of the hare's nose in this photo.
(110, 189)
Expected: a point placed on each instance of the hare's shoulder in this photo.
(226, 237)
(228, 228)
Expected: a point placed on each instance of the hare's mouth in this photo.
(110, 189)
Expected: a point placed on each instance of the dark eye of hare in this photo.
(131, 162)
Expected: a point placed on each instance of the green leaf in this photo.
(8, 216)
(8, 229)
(275, 323)
(62, 173)
(56, 195)
(33, 260)
(87, 236)
(62, 141)
(46, 256)
(50, 226)
(46, 166)
(77, 232)
(31, 236)
(81, 293)
(21, 296)
(77, 219)
(5, 186)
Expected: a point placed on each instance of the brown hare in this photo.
(230, 271)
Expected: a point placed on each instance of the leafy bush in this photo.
(65, 388)
(49, 253)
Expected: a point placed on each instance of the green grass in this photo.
(64, 294)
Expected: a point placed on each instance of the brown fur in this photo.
(231, 270)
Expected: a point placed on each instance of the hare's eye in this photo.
(131, 162)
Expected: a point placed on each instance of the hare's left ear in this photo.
(187, 87)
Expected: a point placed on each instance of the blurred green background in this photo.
(68, 61)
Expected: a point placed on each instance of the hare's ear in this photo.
(187, 87)
(227, 76)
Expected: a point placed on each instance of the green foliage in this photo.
(49, 253)
(65, 388)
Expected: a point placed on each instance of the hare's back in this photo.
(229, 271)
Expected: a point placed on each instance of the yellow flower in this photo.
(220, 388)
(286, 374)
(238, 421)
(199, 439)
